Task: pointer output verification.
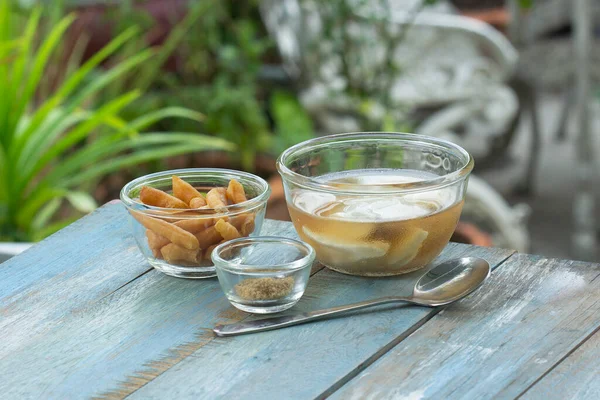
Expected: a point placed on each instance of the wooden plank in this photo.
(301, 361)
(576, 377)
(495, 343)
(69, 270)
(155, 320)
(126, 339)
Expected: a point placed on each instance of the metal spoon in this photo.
(446, 283)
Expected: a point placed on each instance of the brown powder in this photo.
(264, 288)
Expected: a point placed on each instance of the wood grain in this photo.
(306, 360)
(83, 315)
(71, 269)
(499, 341)
(577, 376)
(130, 335)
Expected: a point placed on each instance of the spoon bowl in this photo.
(451, 281)
(443, 284)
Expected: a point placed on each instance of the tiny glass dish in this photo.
(179, 241)
(263, 275)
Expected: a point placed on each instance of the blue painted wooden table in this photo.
(83, 315)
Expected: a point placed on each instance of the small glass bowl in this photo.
(263, 275)
(247, 217)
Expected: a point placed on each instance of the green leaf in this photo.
(82, 201)
(77, 53)
(150, 72)
(525, 4)
(96, 152)
(67, 88)
(31, 206)
(4, 177)
(389, 123)
(8, 48)
(77, 134)
(125, 161)
(151, 118)
(5, 25)
(18, 70)
(51, 127)
(292, 123)
(46, 213)
(40, 139)
(109, 76)
(57, 122)
(38, 66)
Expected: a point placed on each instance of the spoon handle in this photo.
(267, 324)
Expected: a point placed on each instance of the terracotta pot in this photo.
(470, 234)
(276, 206)
(499, 18)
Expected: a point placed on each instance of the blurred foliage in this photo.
(362, 47)
(53, 144)
(525, 3)
(292, 123)
(211, 61)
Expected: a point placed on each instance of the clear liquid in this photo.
(376, 234)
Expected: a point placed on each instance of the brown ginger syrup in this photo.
(375, 234)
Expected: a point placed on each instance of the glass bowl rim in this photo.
(404, 188)
(229, 210)
(246, 269)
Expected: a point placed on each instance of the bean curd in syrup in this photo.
(375, 233)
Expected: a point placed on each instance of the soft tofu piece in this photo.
(408, 248)
(344, 250)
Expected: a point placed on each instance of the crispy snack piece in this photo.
(208, 237)
(237, 220)
(154, 197)
(174, 233)
(173, 253)
(152, 244)
(235, 192)
(195, 225)
(197, 202)
(183, 190)
(244, 223)
(209, 251)
(216, 198)
(173, 215)
(248, 225)
(227, 230)
(156, 242)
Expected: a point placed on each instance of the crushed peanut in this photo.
(265, 288)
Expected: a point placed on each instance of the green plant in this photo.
(48, 150)
(220, 60)
(525, 4)
(219, 48)
(292, 123)
(357, 43)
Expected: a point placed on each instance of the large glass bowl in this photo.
(157, 229)
(375, 204)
